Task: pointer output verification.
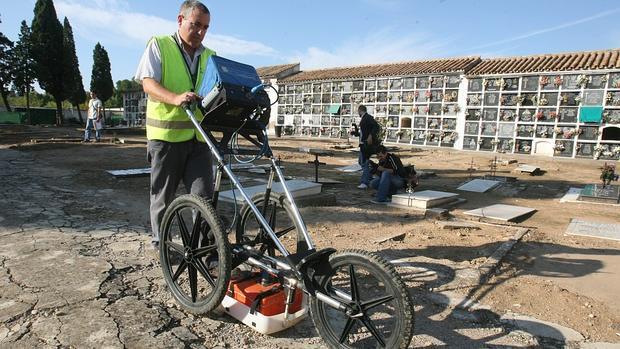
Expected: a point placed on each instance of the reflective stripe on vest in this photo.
(167, 122)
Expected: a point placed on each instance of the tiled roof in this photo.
(275, 70)
(436, 66)
(589, 60)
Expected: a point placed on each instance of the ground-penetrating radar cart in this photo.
(355, 298)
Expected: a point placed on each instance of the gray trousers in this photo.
(170, 163)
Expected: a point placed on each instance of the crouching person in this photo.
(390, 176)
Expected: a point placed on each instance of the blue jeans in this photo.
(90, 124)
(386, 185)
(363, 161)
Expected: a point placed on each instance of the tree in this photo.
(74, 88)
(6, 73)
(48, 52)
(101, 77)
(24, 65)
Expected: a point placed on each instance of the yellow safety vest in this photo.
(167, 122)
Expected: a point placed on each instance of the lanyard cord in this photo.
(187, 66)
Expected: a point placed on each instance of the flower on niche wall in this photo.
(583, 80)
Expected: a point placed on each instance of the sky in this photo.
(323, 34)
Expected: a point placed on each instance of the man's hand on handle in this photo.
(159, 93)
(185, 98)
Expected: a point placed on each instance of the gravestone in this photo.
(609, 194)
(423, 199)
(594, 229)
(568, 114)
(503, 179)
(593, 98)
(298, 188)
(350, 168)
(478, 185)
(471, 128)
(501, 212)
(532, 170)
(572, 195)
(506, 130)
(132, 172)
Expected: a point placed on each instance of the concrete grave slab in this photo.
(599, 345)
(425, 174)
(594, 229)
(523, 168)
(297, 187)
(503, 179)
(479, 185)
(393, 237)
(132, 172)
(500, 212)
(316, 151)
(322, 180)
(504, 162)
(343, 146)
(453, 225)
(423, 199)
(250, 167)
(257, 170)
(350, 168)
(541, 328)
(572, 195)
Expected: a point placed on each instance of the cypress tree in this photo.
(24, 65)
(74, 88)
(6, 73)
(48, 52)
(101, 77)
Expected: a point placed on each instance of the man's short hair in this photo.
(381, 149)
(188, 6)
(361, 108)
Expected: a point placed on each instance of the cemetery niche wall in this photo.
(563, 105)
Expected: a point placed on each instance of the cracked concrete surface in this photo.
(73, 275)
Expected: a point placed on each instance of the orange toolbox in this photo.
(261, 305)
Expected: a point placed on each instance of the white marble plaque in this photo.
(594, 229)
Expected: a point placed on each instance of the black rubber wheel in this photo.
(278, 214)
(194, 254)
(384, 316)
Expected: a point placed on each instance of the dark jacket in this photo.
(393, 162)
(368, 126)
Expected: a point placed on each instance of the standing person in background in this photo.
(367, 132)
(94, 117)
(171, 68)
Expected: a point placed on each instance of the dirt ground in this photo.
(569, 280)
